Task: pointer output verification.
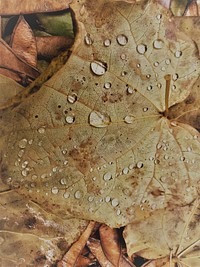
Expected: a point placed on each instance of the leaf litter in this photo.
(112, 154)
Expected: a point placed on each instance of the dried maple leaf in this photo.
(95, 142)
(174, 233)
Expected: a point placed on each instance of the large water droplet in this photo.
(23, 143)
(98, 68)
(141, 49)
(158, 44)
(98, 119)
(122, 39)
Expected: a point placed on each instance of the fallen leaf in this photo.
(23, 42)
(174, 233)
(97, 134)
(72, 255)
(27, 7)
(11, 61)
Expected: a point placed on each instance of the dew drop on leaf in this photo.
(88, 39)
(107, 42)
(98, 68)
(23, 143)
(158, 44)
(70, 119)
(107, 85)
(178, 54)
(122, 39)
(141, 49)
(72, 98)
(98, 119)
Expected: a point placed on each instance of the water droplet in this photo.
(131, 166)
(90, 198)
(41, 130)
(173, 123)
(94, 178)
(64, 151)
(122, 39)
(98, 68)
(9, 179)
(159, 85)
(72, 98)
(124, 73)
(141, 49)
(158, 44)
(24, 164)
(107, 176)
(149, 88)
(166, 157)
(159, 16)
(107, 85)
(145, 109)
(140, 164)
(148, 76)
(70, 119)
(138, 65)
(24, 172)
(163, 179)
(107, 199)
(153, 206)
(159, 146)
(23, 143)
(123, 56)
(54, 169)
(63, 181)
(78, 194)
(66, 195)
(189, 149)
(99, 120)
(130, 90)
(163, 69)
(167, 61)
(174, 87)
(151, 158)
(129, 119)
(88, 39)
(65, 162)
(182, 158)
(178, 54)
(118, 212)
(54, 190)
(107, 42)
(156, 64)
(115, 202)
(195, 137)
(125, 170)
(175, 77)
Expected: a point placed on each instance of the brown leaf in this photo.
(96, 249)
(26, 7)
(11, 61)
(110, 244)
(23, 42)
(71, 257)
(192, 9)
(51, 46)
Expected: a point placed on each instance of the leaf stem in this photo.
(167, 92)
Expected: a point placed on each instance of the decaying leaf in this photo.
(174, 233)
(96, 142)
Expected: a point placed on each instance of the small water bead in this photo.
(175, 77)
(167, 61)
(55, 169)
(163, 69)
(159, 85)
(131, 166)
(129, 119)
(138, 65)
(24, 172)
(124, 73)
(178, 54)
(148, 76)
(141, 49)
(99, 120)
(150, 87)
(145, 109)
(182, 158)
(78, 194)
(90, 198)
(107, 199)
(34, 176)
(174, 87)
(107, 85)
(158, 44)
(9, 179)
(125, 170)
(139, 164)
(195, 137)
(72, 98)
(153, 206)
(64, 151)
(130, 90)
(63, 181)
(41, 130)
(70, 119)
(118, 212)
(94, 178)
(156, 64)
(107, 176)
(122, 39)
(159, 16)
(65, 162)
(107, 42)
(98, 68)
(163, 179)
(115, 202)
(23, 143)
(88, 39)
(66, 195)
(123, 56)
(189, 149)
(24, 164)
(54, 190)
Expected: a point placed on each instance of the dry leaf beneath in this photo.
(25, 7)
(23, 42)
